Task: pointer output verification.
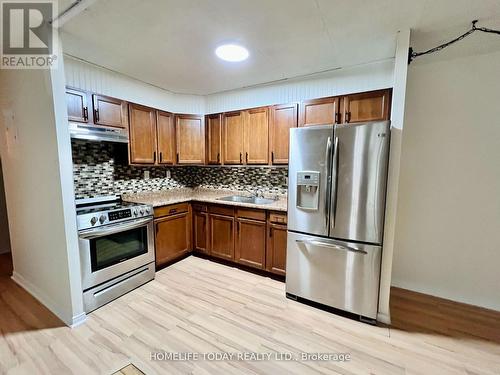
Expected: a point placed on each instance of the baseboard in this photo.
(383, 318)
(78, 320)
(40, 296)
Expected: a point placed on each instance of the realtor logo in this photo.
(28, 40)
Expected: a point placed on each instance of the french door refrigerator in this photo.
(336, 203)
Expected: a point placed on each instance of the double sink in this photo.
(243, 199)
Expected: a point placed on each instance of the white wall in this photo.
(397, 123)
(91, 77)
(448, 228)
(359, 78)
(4, 225)
(36, 156)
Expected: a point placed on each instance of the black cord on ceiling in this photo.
(412, 54)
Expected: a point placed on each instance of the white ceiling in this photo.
(170, 43)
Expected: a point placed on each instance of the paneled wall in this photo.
(366, 77)
(359, 78)
(91, 77)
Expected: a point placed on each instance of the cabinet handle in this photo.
(246, 158)
(177, 158)
(347, 117)
(337, 116)
(272, 157)
(218, 157)
(161, 156)
(238, 226)
(241, 158)
(172, 211)
(96, 113)
(154, 156)
(85, 113)
(270, 232)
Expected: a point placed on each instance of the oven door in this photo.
(110, 251)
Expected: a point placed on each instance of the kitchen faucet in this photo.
(257, 193)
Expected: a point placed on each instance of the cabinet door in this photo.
(222, 236)
(324, 111)
(200, 234)
(214, 139)
(276, 249)
(76, 101)
(190, 139)
(110, 111)
(173, 235)
(251, 243)
(233, 138)
(256, 131)
(368, 106)
(282, 119)
(142, 142)
(165, 137)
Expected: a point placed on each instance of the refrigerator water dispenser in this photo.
(308, 190)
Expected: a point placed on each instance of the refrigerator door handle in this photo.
(330, 245)
(335, 180)
(328, 179)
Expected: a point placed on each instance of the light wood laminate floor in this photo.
(200, 306)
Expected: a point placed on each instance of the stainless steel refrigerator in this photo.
(336, 203)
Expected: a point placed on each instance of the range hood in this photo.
(97, 133)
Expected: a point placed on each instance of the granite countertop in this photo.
(172, 196)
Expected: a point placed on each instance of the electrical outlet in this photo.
(168, 174)
(146, 175)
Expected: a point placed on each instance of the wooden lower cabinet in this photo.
(251, 243)
(173, 237)
(276, 249)
(251, 237)
(200, 231)
(221, 236)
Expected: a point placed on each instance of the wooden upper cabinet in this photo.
(256, 136)
(324, 111)
(76, 101)
(233, 124)
(165, 131)
(369, 106)
(214, 138)
(190, 139)
(110, 111)
(282, 119)
(142, 134)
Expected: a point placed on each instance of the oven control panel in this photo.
(121, 214)
(91, 219)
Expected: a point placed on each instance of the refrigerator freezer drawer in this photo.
(335, 273)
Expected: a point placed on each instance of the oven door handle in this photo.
(90, 234)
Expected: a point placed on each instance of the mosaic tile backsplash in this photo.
(101, 168)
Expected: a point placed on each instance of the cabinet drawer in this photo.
(249, 213)
(199, 207)
(171, 209)
(221, 210)
(278, 218)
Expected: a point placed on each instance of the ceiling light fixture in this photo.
(231, 52)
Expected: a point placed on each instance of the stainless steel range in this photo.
(116, 243)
